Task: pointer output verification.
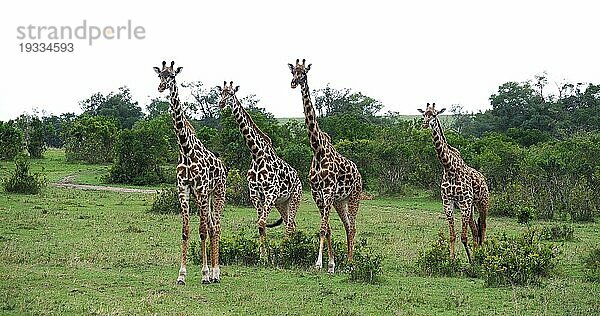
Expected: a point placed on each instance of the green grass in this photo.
(73, 252)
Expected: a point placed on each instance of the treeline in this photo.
(539, 151)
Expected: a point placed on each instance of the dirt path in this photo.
(67, 182)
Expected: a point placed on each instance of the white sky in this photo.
(403, 54)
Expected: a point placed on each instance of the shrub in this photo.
(522, 260)
(22, 181)
(138, 156)
(167, 202)
(11, 141)
(557, 233)
(298, 251)
(525, 214)
(237, 189)
(591, 264)
(90, 139)
(366, 264)
(436, 261)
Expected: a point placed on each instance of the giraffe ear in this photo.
(441, 111)
(291, 67)
(219, 89)
(236, 89)
(421, 111)
(156, 70)
(308, 68)
(178, 70)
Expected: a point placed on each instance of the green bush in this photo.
(525, 214)
(591, 264)
(237, 189)
(138, 155)
(11, 140)
(562, 232)
(522, 260)
(167, 202)
(90, 139)
(22, 181)
(298, 251)
(436, 261)
(366, 264)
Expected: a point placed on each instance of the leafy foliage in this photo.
(139, 153)
(167, 202)
(22, 181)
(237, 188)
(436, 261)
(522, 260)
(33, 134)
(11, 140)
(591, 264)
(119, 106)
(298, 251)
(91, 139)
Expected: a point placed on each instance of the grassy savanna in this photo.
(69, 251)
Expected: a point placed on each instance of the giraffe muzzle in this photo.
(294, 84)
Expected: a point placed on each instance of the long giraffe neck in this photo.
(315, 136)
(441, 144)
(255, 139)
(184, 131)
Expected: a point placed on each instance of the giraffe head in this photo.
(430, 113)
(227, 94)
(167, 75)
(299, 72)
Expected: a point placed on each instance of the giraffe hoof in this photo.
(215, 280)
(180, 282)
(331, 268)
(206, 281)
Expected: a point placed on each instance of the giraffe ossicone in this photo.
(200, 173)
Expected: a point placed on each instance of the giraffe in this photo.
(334, 179)
(461, 186)
(200, 172)
(271, 180)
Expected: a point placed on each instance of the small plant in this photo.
(562, 232)
(298, 251)
(525, 214)
(22, 181)
(591, 264)
(436, 261)
(366, 264)
(167, 202)
(522, 260)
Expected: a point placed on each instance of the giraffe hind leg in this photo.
(216, 212)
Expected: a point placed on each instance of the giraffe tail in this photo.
(277, 223)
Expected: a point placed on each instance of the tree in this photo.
(205, 102)
(118, 105)
(91, 138)
(157, 107)
(53, 129)
(33, 134)
(11, 140)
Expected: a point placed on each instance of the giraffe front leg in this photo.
(184, 194)
(203, 205)
(325, 234)
(216, 212)
(449, 212)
